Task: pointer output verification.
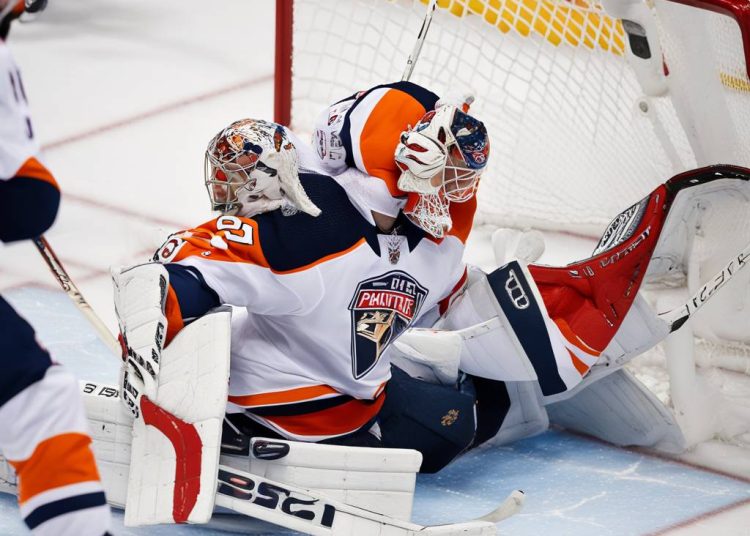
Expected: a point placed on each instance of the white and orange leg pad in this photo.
(524, 344)
(375, 479)
(174, 458)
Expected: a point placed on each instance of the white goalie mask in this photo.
(251, 168)
(441, 159)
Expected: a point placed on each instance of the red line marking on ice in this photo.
(143, 116)
(700, 517)
(122, 211)
(667, 459)
(155, 112)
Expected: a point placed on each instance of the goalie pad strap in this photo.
(514, 295)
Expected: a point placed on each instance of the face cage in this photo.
(459, 183)
(430, 212)
(224, 192)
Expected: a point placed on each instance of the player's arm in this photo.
(215, 264)
(28, 202)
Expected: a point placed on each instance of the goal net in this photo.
(589, 106)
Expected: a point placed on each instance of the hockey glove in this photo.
(460, 99)
(140, 294)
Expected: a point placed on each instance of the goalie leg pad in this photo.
(177, 436)
(376, 479)
(527, 345)
(621, 410)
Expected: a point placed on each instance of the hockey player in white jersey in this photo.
(309, 360)
(579, 324)
(325, 293)
(43, 431)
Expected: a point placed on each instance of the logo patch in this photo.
(382, 308)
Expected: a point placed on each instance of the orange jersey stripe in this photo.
(58, 461)
(323, 259)
(462, 216)
(34, 169)
(174, 316)
(335, 421)
(391, 115)
(213, 244)
(299, 394)
(445, 303)
(202, 243)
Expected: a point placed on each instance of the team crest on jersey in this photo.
(382, 308)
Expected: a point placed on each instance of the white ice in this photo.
(125, 95)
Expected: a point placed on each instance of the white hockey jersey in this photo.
(43, 432)
(16, 131)
(324, 297)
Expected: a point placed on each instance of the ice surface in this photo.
(125, 95)
(574, 485)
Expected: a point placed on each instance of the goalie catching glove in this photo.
(140, 294)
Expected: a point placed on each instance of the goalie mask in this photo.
(441, 159)
(251, 168)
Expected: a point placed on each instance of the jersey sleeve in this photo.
(28, 202)
(226, 264)
(29, 196)
(363, 130)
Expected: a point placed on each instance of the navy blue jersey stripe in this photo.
(514, 295)
(292, 242)
(22, 361)
(424, 96)
(21, 197)
(64, 506)
(195, 297)
(300, 408)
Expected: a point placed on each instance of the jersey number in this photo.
(19, 93)
(236, 230)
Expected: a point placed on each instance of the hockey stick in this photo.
(58, 270)
(412, 60)
(678, 316)
(313, 513)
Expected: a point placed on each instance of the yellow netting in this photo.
(577, 23)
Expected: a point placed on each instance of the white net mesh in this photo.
(570, 147)
(574, 139)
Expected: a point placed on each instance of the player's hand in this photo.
(460, 99)
(140, 295)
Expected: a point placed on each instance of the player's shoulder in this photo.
(293, 242)
(405, 90)
(277, 240)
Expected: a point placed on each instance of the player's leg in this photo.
(43, 435)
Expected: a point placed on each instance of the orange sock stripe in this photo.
(58, 461)
(34, 169)
(174, 316)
